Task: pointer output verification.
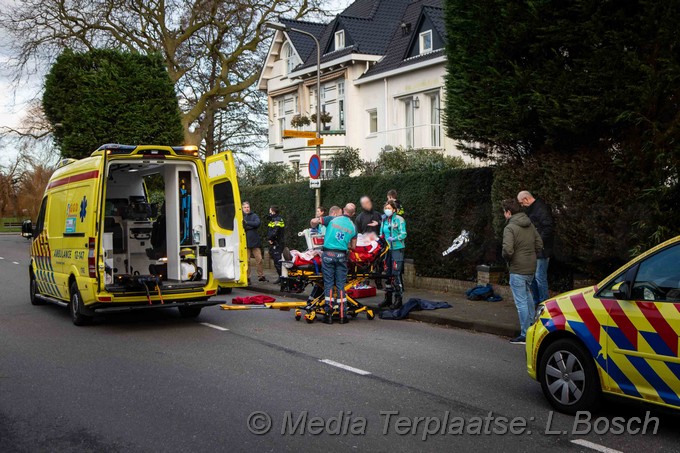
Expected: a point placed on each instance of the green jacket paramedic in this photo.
(339, 238)
(393, 229)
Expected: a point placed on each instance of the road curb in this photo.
(421, 316)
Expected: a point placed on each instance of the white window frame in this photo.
(289, 57)
(341, 114)
(281, 126)
(296, 107)
(339, 39)
(421, 42)
(326, 169)
(435, 119)
(280, 108)
(372, 120)
(409, 122)
(341, 89)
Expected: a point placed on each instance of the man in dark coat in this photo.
(275, 231)
(541, 216)
(368, 220)
(251, 223)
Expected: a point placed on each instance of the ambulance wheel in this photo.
(568, 377)
(189, 312)
(33, 289)
(370, 315)
(75, 307)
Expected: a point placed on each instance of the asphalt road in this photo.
(151, 381)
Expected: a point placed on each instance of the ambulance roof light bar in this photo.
(188, 150)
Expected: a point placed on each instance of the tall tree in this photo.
(585, 76)
(211, 47)
(104, 96)
(545, 75)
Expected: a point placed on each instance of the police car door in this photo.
(228, 247)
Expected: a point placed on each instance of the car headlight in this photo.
(540, 308)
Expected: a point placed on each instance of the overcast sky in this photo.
(15, 98)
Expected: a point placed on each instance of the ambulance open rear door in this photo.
(228, 247)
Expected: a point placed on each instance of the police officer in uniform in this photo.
(339, 239)
(275, 230)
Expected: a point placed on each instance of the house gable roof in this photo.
(403, 50)
(373, 28)
(368, 25)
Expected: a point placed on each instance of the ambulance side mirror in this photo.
(27, 229)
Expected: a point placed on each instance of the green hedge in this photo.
(599, 215)
(438, 206)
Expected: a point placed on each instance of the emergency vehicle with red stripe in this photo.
(101, 244)
(619, 337)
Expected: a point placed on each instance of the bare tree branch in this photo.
(213, 49)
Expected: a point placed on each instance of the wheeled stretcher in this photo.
(365, 262)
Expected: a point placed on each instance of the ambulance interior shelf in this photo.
(130, 224)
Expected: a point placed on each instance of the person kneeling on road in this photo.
(339, 238)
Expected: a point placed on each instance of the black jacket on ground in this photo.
(275, 230)
(366, 217)
(541, 216)
(251, 222)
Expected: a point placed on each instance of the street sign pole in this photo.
(318, 113)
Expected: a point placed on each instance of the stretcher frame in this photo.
(296, 279)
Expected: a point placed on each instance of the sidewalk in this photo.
(498, 318)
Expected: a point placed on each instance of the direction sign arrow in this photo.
(315, 141)
(298, 134)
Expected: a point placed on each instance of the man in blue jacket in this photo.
(340, 237)
(251, 223)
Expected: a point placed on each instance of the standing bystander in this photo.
(521, 244)
(251, 223)
(540, 215)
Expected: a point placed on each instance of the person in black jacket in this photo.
(275, 231)
(392, 196)
(541, 216)
(368, 220)
(251, 223)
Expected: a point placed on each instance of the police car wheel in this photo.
(569, 377)
(189, 312)
(75, 308)
(33, 289)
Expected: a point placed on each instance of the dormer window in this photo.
(339, 39)
(290, 57)
(426, 42)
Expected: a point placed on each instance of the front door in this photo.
(228, 252)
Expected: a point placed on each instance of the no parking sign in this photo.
(314, 167)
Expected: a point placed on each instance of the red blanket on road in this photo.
(253, 300)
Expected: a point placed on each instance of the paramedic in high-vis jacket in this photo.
(393, 230)
(275, 230)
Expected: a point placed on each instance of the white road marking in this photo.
(15, 262)
(345, 367)
(594, 446)
(213, 326)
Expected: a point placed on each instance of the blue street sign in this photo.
(314, 167)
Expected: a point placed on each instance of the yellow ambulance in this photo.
(100, 245)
